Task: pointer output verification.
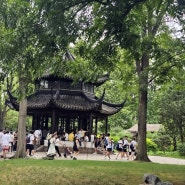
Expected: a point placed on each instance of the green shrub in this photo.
(151, 146)
(163, 142)
(118, 133)
(115, 139)
(181, 149)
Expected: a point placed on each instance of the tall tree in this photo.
(46, 27)
(133, 25)
(23, 53)
(139, 33)
(2, 100)
(172, 108)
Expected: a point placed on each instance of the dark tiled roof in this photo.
(110, 109)
(39, 101)
(69, 101)
(74, 102)
(62, 101)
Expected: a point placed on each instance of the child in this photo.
(67, 151)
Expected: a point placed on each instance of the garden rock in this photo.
(151, 179)
(48, 158)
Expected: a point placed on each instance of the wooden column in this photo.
(79, 123)
(96, 126)
(53, 122)
(67, 123)
(35, 121)
(90, 125)
(46, 122)
(68, 126)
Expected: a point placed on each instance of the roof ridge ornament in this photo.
(56, 94)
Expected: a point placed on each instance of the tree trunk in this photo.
(21, 143)
(2, 111)
(181, 130)
(1, 119)
(142, 70)
(174, 143)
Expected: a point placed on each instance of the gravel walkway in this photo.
(167, 160)
(99, 157)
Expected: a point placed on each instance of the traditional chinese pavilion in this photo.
(59, 103)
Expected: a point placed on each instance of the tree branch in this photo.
(131, 6)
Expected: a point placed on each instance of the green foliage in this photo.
(163, 142)
(152, 135)
(117, 133)
(151, 146)
(172, 154)
(153, 113)
(181, 149)
(11, 120)
(172, 108)
(123, 119)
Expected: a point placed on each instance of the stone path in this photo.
(100, 157)
(167, 160)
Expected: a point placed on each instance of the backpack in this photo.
(117, 146)
(131, 146)
(28, 139)
(105, 142)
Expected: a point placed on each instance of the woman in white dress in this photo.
(51, 151)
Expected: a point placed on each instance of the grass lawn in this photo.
(174, 154)
(81, 172)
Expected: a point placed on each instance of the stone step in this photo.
(43, 148)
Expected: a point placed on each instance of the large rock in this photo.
(154, 180)
(151, 179)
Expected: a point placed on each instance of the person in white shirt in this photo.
(11, 141)
(5, 143)
(38, 135)
(66, 136)
(30, 144)
(86, 140)
(58, 143)
(125, 147)
(81, 134)
(119, 148)
(108, 146)
(92, 139)
(133, 146)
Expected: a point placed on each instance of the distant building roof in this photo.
(149, 128)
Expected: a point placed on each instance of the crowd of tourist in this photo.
(122, 149)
